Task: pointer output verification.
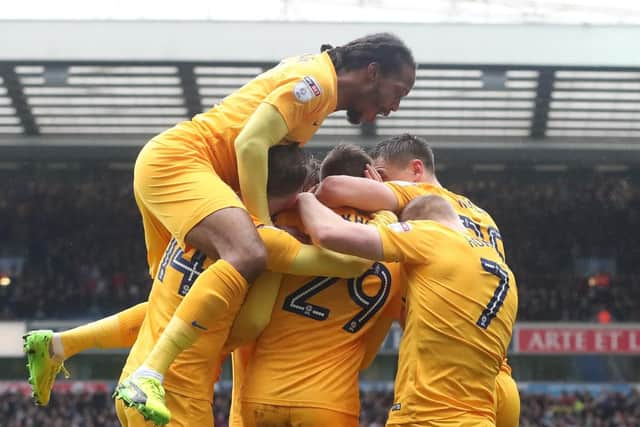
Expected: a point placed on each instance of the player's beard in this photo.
(354, 117)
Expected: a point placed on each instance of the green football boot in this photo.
(43, 368)
(146, 395)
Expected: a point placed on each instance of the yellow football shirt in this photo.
(310, 353)
(303, 89)
(461, 307)
(478, 222)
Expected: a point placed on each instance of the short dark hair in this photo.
(402, 148)
(287, 169)
(383, 48)
(345, 159)
(313, 173)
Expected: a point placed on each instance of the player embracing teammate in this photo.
(196, 184)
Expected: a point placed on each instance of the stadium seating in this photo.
(79, 405)
(79, 235)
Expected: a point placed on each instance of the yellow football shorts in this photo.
(176, 187)
(263, 415)
(185, 412)
(507, 401)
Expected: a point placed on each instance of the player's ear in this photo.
(373, 71)
(417, 167)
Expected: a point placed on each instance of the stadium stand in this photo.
(550, 150)
(79, 235)
(71, 407)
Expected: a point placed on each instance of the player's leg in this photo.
(507, 400)
(211, 294)
(46, 350)
(117, 331)
(180, 190)
(318, 417)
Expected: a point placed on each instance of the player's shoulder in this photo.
(313, 69)
(465, 203)
(418, 230)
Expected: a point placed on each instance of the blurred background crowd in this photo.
(72, 243)
(96, 409)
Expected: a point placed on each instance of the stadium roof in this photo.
(89, 86)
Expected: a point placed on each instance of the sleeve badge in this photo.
(307, 89)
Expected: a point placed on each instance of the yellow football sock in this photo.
(207, 302)
(130, 321)
(117, 331)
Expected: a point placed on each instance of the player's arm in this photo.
(330, 231)
(394, 309)
(403, 241)
(312, 260)
(285, 254)
(360, 193)
(255, 313)
(265, 128)
(374, 338)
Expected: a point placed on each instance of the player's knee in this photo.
(250, 259)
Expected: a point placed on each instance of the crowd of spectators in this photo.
(81, 238)
(79, 234)
(96, 409)
(581, 409)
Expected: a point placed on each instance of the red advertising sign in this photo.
(553, 339)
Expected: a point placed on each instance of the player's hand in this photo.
(371, 173)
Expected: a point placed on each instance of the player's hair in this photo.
(287, 169)
(403, 148)
(313, 173)
(429, 207)
(385, 49)
(345, 159)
